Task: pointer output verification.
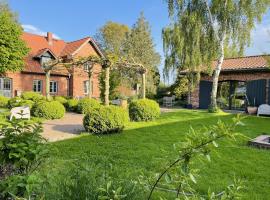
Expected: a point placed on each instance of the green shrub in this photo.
(3, 101)
(144, 110)
(14, 102)
(60, 99)
(17, 102)
(33, 96)
(86, 105)
(105, 119)
(71, 105)
(49, 110)
(22, 150)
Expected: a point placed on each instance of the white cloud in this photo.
(32, 29)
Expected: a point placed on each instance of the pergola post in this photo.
(143, 83)
(107, 86)
(90, 84)
(48, 74)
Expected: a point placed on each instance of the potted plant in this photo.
(252, 109)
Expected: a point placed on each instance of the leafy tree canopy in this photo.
(112, 37)
(140, 48)
(12, 48)
(201, 29)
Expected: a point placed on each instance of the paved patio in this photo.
(60, 129)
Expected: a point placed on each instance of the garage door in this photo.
(205, 94)
(256, 92)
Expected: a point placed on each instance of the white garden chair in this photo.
(263, 109)
(20, 113)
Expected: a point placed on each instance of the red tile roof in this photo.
(59, 48)
(244, 63)
(71, 47)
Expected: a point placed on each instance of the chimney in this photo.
(50, 38)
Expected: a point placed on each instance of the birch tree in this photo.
(227, 20)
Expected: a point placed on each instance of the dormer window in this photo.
(44, 59)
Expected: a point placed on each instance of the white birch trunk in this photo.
(217, 72)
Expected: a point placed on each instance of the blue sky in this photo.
(71, 20)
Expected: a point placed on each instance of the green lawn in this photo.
(147, 147)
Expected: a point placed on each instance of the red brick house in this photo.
(246, 77)
(62, 82)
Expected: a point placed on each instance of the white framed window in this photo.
(6, 84)
(86, 87)
(53, 86)
(37, 85)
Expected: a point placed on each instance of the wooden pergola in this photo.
(106, 63)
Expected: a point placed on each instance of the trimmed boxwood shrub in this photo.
(105, 119)
(87, 105)
(3, 102)
(14, 102)
(33, 96)
(17, 101)
(60, 99)
(144, 110)
(71, 105)
(49, 110)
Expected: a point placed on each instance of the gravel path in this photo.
(60, 129)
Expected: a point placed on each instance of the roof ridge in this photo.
(251, 56)
(43, 36)
(88, 37)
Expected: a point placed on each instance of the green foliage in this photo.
(115, 81)
(72, 104)
(89, 181)
(140, 48)
(18, 101)
(106, 119)
(49, 110)
(87, 105)
(144, 110)
(22, 150)
(61, 100)
(112, 36)
(202, 31)
(212, 109)
(3, 102)
(13, 49)
(33, 96)
(197, 144)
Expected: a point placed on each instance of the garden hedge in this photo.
(33, 96)
(71, 105)
(3, 102)
(60, 99)
(18, 101)
(144, 110)
(49, 110)
(105, 119)
(87, 105)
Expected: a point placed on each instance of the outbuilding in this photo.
(243, 81)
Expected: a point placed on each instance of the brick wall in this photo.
(73, 86)
(79, 75)
(24, 82)
(226, 76)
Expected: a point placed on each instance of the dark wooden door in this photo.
(256, 92)
(205, 94)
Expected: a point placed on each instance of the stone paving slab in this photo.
(69, 126)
